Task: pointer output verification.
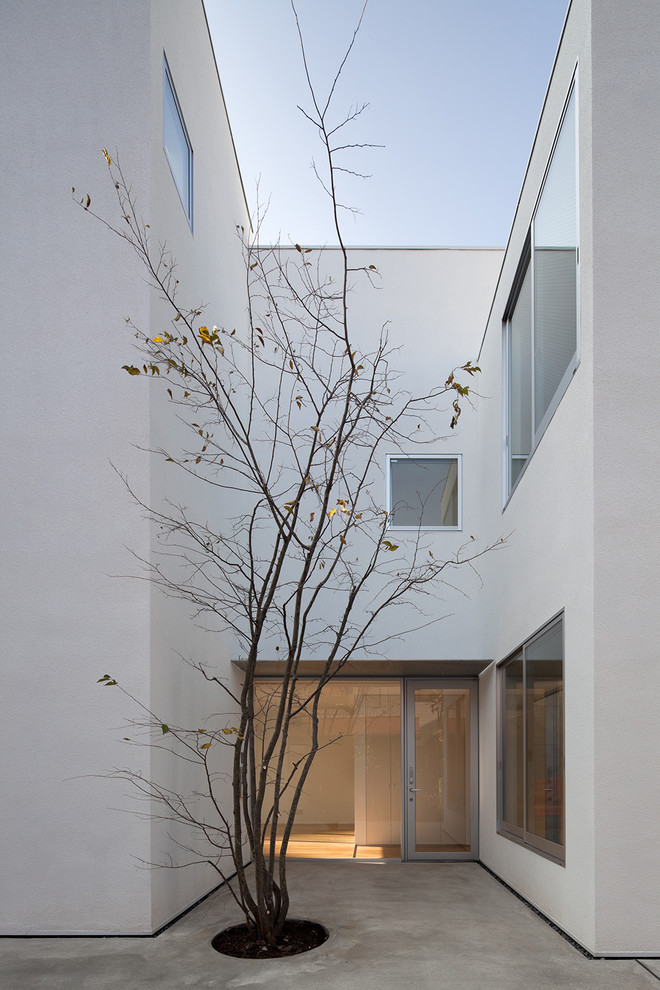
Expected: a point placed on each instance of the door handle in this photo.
(414, 789)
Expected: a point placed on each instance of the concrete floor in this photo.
(427, 926)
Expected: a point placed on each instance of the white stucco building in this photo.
(545, 672)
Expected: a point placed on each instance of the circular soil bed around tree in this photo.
(298, 936)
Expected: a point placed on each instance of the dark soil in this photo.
(298, 936)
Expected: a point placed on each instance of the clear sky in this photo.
(455, 90)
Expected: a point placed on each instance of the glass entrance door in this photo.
(440, 767)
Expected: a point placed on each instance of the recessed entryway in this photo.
(396, 773)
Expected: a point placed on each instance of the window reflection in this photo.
(532, 742)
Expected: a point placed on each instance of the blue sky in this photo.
(455, 91)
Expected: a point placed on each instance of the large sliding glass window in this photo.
(540, 320)
(395, 774)
(532, 743)
(351, 803)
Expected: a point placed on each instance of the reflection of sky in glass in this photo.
(176, 145)
(556, 218)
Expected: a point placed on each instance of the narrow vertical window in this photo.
(540, 321)
(532, 743)
(555, 270)
(520, 379)
(513, 743)
(176, 143)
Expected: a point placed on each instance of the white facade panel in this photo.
(211, 273)
(72, 843)
(580, 518)
(547, 565)
(626, 262)
(67, 415)
(435, 306)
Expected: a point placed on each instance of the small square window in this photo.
(176, 143)
(424, 492)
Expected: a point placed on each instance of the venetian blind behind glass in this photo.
(555, 270)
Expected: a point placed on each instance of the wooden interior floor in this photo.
(338, 842)
(334, 842)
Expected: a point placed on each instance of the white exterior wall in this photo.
(68, 411)
(626, 263)
(547, 565)
(435, 303)
(211, 272)
(70, 859)
(582, 513)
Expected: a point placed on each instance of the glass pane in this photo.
(520, 380)
(377, 768)
(175, 143)
(351, 801)
(442, 770)
(424, 491)
(513, 781)
(555, 270)
(545, 735)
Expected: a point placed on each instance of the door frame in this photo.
(409, 684)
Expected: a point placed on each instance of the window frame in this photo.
(525, 264)
(170, 91)
(520, 834)
(390, 458)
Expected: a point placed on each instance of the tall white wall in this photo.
(434, 305)
(548, 561)
(437, 303)
(69, 412)
(211, 273)
(626, 262)
(72, 844)
(583, 517)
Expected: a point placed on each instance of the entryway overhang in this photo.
(376, 668)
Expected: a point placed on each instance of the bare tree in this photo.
(288, 419)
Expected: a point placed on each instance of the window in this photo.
(424, 492)
(532, 743)
(540, 321)
(176, 143)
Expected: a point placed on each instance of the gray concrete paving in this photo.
(394, 926)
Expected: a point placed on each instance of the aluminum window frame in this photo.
(411, 528)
